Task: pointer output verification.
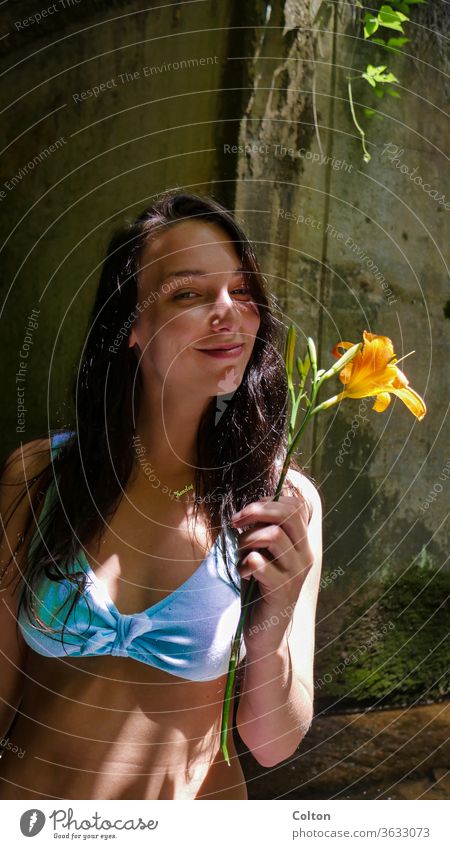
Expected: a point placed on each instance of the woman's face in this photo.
(192, 295)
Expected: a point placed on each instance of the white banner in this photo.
(203, 824)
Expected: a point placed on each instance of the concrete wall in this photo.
(366, 251)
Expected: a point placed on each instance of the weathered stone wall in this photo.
(349, 246)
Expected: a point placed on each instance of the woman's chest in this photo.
(144, 557)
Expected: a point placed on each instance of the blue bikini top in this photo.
(188, 633)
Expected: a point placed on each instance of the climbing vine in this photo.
(394, 17)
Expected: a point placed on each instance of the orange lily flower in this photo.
(372, 372)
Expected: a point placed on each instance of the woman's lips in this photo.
(223, 355)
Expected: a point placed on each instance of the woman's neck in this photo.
(167, 438)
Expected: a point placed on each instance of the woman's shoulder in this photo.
(31, 458)
(19, 484)
(27, 460)
(306, 487)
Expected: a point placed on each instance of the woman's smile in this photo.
(222, 353)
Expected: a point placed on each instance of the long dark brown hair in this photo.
(238, 455)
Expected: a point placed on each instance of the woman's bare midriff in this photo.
(113, 728)
(110, 727)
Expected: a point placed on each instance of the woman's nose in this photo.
(224, 312)
(223, 303)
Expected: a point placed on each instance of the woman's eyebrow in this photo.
(192, 272)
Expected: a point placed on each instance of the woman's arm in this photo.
(275, 708)
(21, 464)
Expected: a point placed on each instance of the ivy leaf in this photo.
(375, 70)
(371, 24)
(391, 19)
(402, 5)
(376, 74)
(388, 78)
(392, 44)
(397, 42)
(371, 73)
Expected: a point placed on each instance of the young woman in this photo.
(121, 586)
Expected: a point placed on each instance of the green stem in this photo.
(235, 647)
(293, 417)
(234, 657)
(367, 156)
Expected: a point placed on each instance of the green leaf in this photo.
(387, 10)
(289, 354)
(387, 78)
(371, 24)
(370, 80)
(392, 44)
(374, 70)
(391, 19)
(393, 92)
(370, 73)
(376, 74)
(402, 5)
(368, 112)
(397, 41)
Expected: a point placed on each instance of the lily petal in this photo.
(412, 400)
(336, 352)
(383, 401)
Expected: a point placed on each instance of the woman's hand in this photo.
(276, 551)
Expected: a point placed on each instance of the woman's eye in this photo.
(243, 289)
(180, 294)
